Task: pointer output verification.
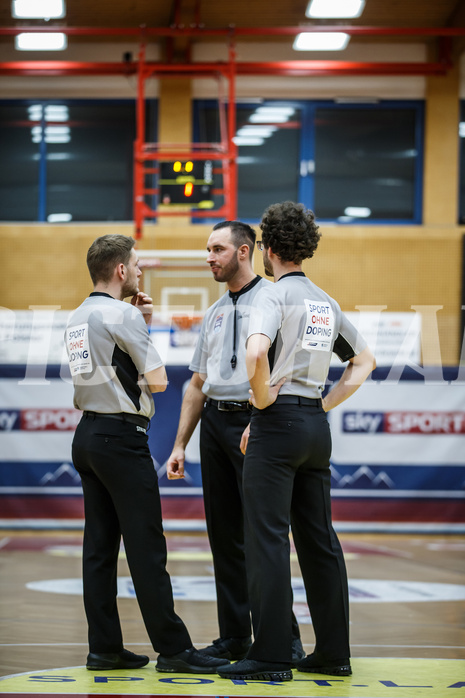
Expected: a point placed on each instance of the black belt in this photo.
(229, 405)
(138, 419)
(298, 400)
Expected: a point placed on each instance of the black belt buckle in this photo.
(231, 406)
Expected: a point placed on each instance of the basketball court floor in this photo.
(407, 595)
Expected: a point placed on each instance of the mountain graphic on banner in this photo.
(362, 478)
(65, 474)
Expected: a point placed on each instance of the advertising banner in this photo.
(398, 448)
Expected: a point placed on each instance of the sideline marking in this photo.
(372, 678)
(199, 588)
(173, 555)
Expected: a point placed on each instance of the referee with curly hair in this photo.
(293, 332)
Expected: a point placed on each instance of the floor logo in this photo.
(203, 589)
(371, 678)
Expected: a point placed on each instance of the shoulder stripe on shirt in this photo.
(343, 349)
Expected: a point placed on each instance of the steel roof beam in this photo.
(289, 68)
(234, 31)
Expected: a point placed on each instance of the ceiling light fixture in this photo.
(268, 118)
(56, 112)
(285, 111)
(53, 41)
(260, 131)
(59, 217)
(357, 211)
(248, 140)
(53, 112)
(51, 134)
(38, 9)
(321, 41)
(329, 9)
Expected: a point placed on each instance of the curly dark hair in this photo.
(290, 230)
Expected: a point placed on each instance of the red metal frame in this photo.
(296, 68)
(226, 150)
(178, 31)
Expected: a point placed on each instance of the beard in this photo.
(227, 272)
(267, 264)
(130, 288)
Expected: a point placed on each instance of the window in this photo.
(68, 160)
(348, 163)
(462, 164)
(19, 166)
(367, 164)
(72, 160)
(268, 156)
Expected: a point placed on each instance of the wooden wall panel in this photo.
(397, 267)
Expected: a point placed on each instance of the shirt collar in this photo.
(244, 289)
(291, 273)
(101, 293)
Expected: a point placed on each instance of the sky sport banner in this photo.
(398, 443)
(398, 446)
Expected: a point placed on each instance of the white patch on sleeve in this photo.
(319, 328)
(77, 343)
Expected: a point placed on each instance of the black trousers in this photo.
(222, 469)
(221, 465)
(121, 498)
(287, 481)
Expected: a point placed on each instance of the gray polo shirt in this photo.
(214, 350)
(109, 350)
(305, 326)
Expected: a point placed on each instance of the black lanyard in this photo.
(234, 357)
(234, 297)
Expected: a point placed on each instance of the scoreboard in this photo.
(186, 182)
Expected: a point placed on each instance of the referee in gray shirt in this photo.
(218, 395)
(115, 369)
(294, 329)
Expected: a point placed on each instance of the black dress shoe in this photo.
(297, 651)
(118, 660)
(190, 661)
(229, 648)
(253, 669)
(314, 664)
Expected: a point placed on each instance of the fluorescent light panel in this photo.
(260, 131)
(53, 112)
(321, 41)
(329, 9)
(53, 41)
(38, 9)
(59, 218)
(285, 111)
(248, 140)
(268, 118)
(357, 211)
(52, 134)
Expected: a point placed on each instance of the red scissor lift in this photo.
(147, 156)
